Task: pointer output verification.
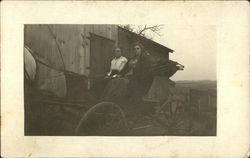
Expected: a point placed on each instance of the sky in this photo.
(195, 48)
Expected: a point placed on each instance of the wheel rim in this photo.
(105, 118)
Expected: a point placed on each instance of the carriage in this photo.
(82, 112)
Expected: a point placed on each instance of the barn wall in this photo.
(74, 44)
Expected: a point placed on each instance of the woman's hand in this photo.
(106, 77)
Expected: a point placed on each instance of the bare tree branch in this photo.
(152, 28)
(144, 30)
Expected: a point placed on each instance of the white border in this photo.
(232, 24)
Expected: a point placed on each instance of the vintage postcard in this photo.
(125, 79)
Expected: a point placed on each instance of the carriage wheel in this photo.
(174, 115)
(105, 118)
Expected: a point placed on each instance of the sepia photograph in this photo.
(119, 80)
(125, 79)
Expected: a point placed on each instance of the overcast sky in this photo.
(195, 48)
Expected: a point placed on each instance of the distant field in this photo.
(205, 91)
(199, 85)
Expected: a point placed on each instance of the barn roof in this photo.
(149, 40)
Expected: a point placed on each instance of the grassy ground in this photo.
(202, 125)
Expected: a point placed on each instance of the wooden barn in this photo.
(83, 51)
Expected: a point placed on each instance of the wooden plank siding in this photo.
(74, 44)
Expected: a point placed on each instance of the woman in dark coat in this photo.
(138, 72)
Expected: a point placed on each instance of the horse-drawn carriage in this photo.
(81, 112)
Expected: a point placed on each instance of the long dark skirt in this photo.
(128, 96)
(116, 90)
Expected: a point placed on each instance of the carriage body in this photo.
(84, 112)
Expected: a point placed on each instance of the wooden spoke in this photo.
(176, 117)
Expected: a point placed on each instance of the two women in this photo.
(144, 77)
(143, 73)
(135, 78)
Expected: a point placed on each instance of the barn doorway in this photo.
(101, 54)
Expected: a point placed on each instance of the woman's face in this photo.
(118, 52)
(137, 50)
